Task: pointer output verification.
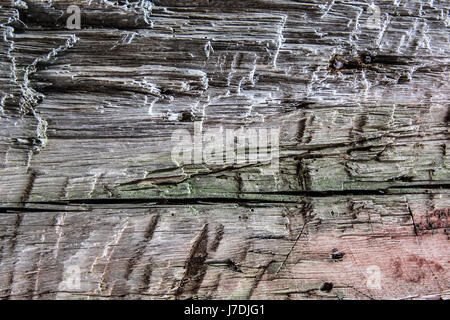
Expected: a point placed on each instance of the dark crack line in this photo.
(292, 248)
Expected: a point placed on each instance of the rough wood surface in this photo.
(88, 181)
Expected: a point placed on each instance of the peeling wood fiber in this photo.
(94, 206)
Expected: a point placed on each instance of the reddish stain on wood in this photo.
(437, 219)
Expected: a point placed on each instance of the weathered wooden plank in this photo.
(215, 250)
(91, 118)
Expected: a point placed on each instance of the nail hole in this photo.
(366, 58)
(336, 255)
(337, 64)
(326, 286)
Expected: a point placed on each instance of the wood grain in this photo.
(89, 185)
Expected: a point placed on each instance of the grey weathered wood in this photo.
(87, 178)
